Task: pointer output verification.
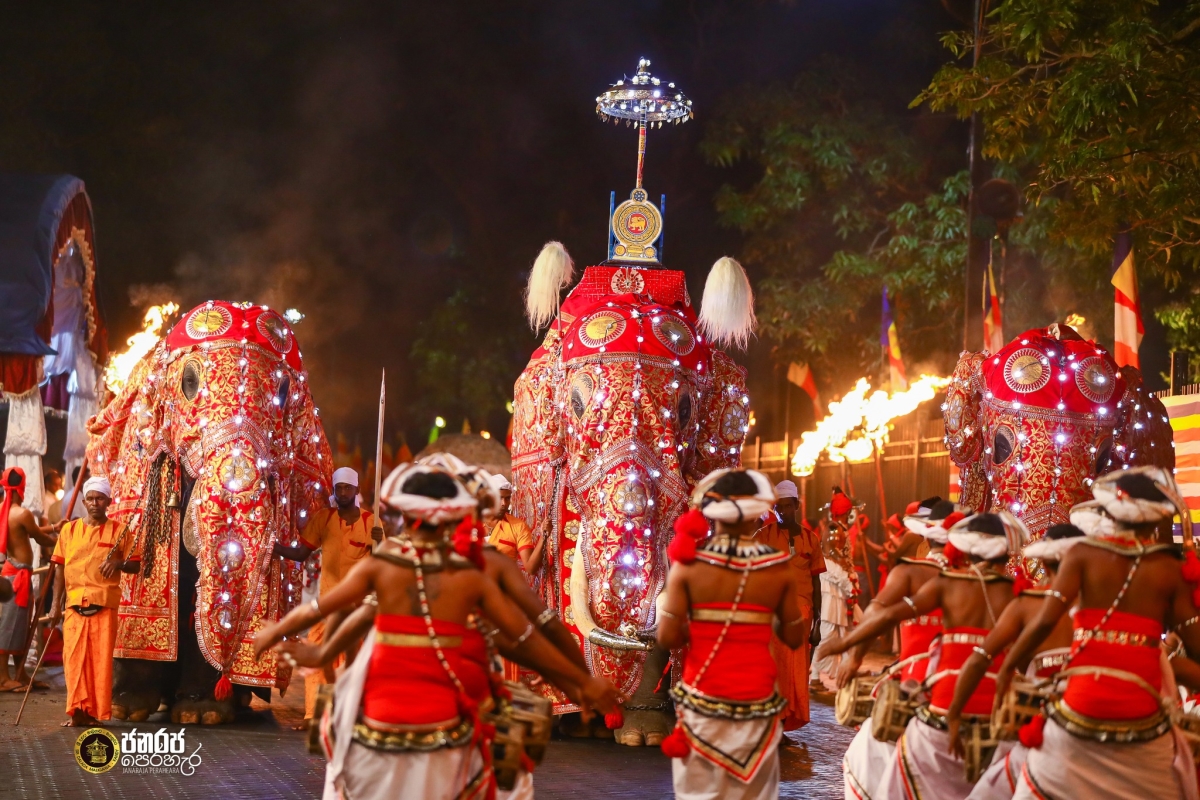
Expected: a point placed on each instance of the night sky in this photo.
(362, 161)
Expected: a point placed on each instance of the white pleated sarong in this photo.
(865, 763)
(1067, 766)
(924, 768)
(1000, 780)
(723, 747)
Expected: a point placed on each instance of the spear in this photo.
(379, 445)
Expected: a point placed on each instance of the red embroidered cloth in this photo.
(916, 637)
(408, 685)
(1113, 698)
(743, 669)
(953, 655)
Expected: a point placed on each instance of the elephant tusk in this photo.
(582, 614)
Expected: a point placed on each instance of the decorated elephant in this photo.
(624, 407)
(215, 453)
(1032, 426)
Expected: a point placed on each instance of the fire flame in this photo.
(857, 424)
(121, 364)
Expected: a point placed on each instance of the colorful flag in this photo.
(800, 374)
(890, 341)
(1127, 313)
(1184, 412)
(993, 324)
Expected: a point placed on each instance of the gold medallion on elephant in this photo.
(628, 280)
(208, 321)
(1095, 379)
(276, 331)
(237, 472)
(675, 335)
(1024, 371)
(601, 328)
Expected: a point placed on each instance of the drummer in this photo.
(867, 758)
(971, 599)
(1001, 778)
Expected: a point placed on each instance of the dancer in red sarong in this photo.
(404, 723)
(1109, 735)
(725, 593)
(867, 759)
(971, 599)
(1000, 779)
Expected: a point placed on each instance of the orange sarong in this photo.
(314, 679)
(792, 680)
(88, 644)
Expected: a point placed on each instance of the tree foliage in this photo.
(837, 197)
(1102, 97)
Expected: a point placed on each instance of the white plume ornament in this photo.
(727, 308)
(551, 273)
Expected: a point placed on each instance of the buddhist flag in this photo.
(993, 324)
(890, 342)
(1127, 313)
(800, 374)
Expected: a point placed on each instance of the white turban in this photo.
(786, 489)
(432, 510)
(1092, 519)
(1048, 549)
(97, 483)
(1118, 497)
(989, 536)
(935, 524)
(733, 509)
(345, 475)
(500, 483)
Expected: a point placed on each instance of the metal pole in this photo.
(641, 151)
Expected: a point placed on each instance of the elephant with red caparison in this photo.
(215, 452)
(623, 408)
(1032, 426)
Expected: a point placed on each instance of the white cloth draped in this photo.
(356, 772)
(25, 443)
(1067, 766)
(924, 767)
(865, 762)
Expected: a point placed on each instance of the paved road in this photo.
(261, 757)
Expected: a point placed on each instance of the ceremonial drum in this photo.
(979, 745)
(1021, 703)
(507, 749)
(324, 701)
(891, 712)
(535, 714)
(852, 705)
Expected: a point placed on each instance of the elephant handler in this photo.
(725, 595)
(511, 535)
(344, 534)
(92, 553)
(18, 532)
(785, 534)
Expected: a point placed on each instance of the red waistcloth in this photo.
(21, 581)
(1113, 698)
(953, 655)
(743, 669)
(408, 685)
(917, 638)
(474, 672)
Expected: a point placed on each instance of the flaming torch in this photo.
(857, 424)
(121, 364)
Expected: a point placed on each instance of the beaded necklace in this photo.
(737, 598)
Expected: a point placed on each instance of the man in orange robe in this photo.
(785, 534)
(344, 534)
(92, 553)
(511, 535)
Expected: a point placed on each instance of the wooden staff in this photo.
(379, 446)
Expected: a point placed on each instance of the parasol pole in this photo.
(379, 446)
(641, 151)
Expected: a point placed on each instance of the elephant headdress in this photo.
(1032, 426)
(213, 445)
